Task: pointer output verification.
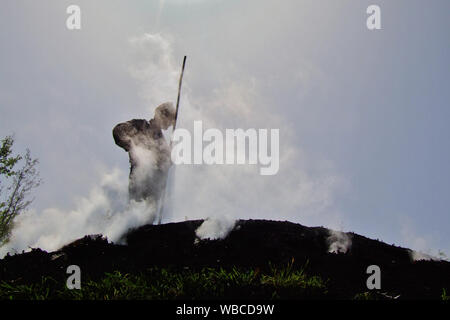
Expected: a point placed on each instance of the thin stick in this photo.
(179, 92)
(163, 196)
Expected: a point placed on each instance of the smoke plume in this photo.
(107, 210)
(417, 256)
(215, 228)
(339, 242)
(303, 190)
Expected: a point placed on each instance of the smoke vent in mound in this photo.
(215, 228)
(339, 242)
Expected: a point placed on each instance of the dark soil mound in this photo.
(252, 244)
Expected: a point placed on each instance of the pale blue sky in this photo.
(370, 106)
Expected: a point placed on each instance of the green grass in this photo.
(35, 291)
(158, 283)
(368, 295)
(444, 295)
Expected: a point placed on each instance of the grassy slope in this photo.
(162, 283)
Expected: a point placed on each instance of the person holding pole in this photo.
(149, 153)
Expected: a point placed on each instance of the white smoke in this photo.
(215, 228)
(105, 210)
(338, 242)
(303, 190)
(419, 244)
(146, 162)
(417, 256)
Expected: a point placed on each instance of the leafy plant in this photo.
(19, 182)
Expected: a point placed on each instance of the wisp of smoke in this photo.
(419, 244)
(215, 228)
(339, 242)
(417, 256)
(105, 211)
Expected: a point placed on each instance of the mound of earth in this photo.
(251, 244)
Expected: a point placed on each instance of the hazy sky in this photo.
(363, 115)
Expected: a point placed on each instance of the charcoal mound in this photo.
(252, 244)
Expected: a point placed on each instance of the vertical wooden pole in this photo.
(179, 92)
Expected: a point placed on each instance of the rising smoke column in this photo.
(106, 210)
(302, 191)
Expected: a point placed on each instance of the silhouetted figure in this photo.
(149, 153)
